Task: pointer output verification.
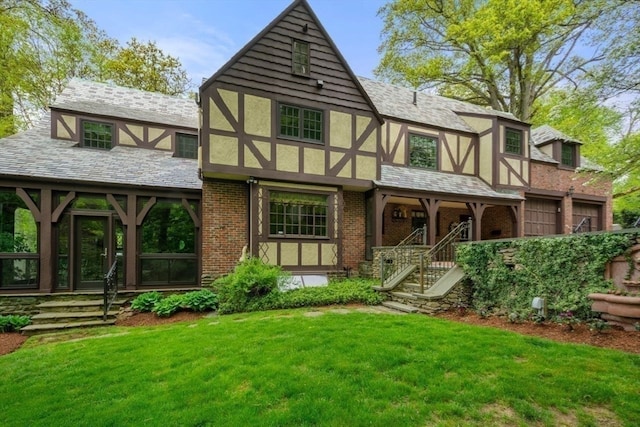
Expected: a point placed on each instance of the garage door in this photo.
(586, 217)
(540, 217)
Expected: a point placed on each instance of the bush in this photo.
(349, 291)
(146, 301)
(13, 323)
(203, 300)
(563, 270)
(169, 305)
(250, 279)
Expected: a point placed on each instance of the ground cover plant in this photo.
(164, 306)
(316, 367)
(13, 323)
(563, 270)
(255, 286)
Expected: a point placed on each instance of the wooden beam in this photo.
(145, 210)
(121, 213)
(57, 213)
(26, 198)
(47, 258)
(192, 214)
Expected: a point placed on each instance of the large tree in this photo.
(508, 53)
(44, 43)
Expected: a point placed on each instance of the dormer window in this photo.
(423, 152)
(97, 135)
(568, 155)
(513, 141)
(186, 146)
(300, 58)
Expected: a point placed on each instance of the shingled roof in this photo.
(438, 182)
(397, 102)
(545, 134)
(34, 154)
(132, 104)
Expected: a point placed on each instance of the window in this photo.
(300, 62)
(186, 146)
(97, 135)
(18, 244)
(513, 141)
(423, 151)
(298, 215)
(301, 123)
(568, 155)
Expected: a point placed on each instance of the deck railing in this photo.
(110, 287)
(583, 226)
(393, 262)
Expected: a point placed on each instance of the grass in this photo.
(288, 368)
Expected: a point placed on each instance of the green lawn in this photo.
(288, 368)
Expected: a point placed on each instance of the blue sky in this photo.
(204, 34)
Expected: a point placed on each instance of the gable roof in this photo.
(104, 99)
(242, 52)
(398, 102)
(545, 134)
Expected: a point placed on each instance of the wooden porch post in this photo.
(477, 209)
(379, 202)
(46, 242)
(517, 221)
(131, 244)
(431, 207)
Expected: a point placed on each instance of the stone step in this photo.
(405, 295)
(400, 307)
(68, 317)
(58, 327)
(75, 305)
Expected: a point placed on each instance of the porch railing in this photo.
(442, 256)
(402, 256)
(110, 287)
(637, 223)
(583, 226)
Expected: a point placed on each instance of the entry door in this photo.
(91, 251)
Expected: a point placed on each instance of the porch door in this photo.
(92, 251)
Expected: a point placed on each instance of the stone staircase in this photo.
(445, 294)
(55, 316)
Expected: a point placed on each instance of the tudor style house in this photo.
(286, 156)
(310, 167)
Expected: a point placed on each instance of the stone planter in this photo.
(617, 309)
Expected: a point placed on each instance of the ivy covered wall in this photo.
(508, 274)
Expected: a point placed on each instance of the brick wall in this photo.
(353, 230)
(224, 226)
(550, 177)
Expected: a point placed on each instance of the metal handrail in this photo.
(637, 223)
(401, 256)
(442, 256)
(578, 228)
(110, 287)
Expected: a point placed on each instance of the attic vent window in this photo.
(97, 135)
(300, 63)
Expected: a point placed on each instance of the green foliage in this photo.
(563, 270)
(13, 323)
(146, 301)
(169, 305)
(202, 300)
(250, 279)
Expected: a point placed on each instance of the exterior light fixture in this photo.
(570, 192)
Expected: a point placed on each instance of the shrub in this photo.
(169, 305)
(563, 270)
(338, 292)
(250, 279)
(146, 301)
(13, 323)
(202, 300)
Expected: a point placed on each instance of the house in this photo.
(285, 155)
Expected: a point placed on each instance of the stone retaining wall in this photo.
(458, 298)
